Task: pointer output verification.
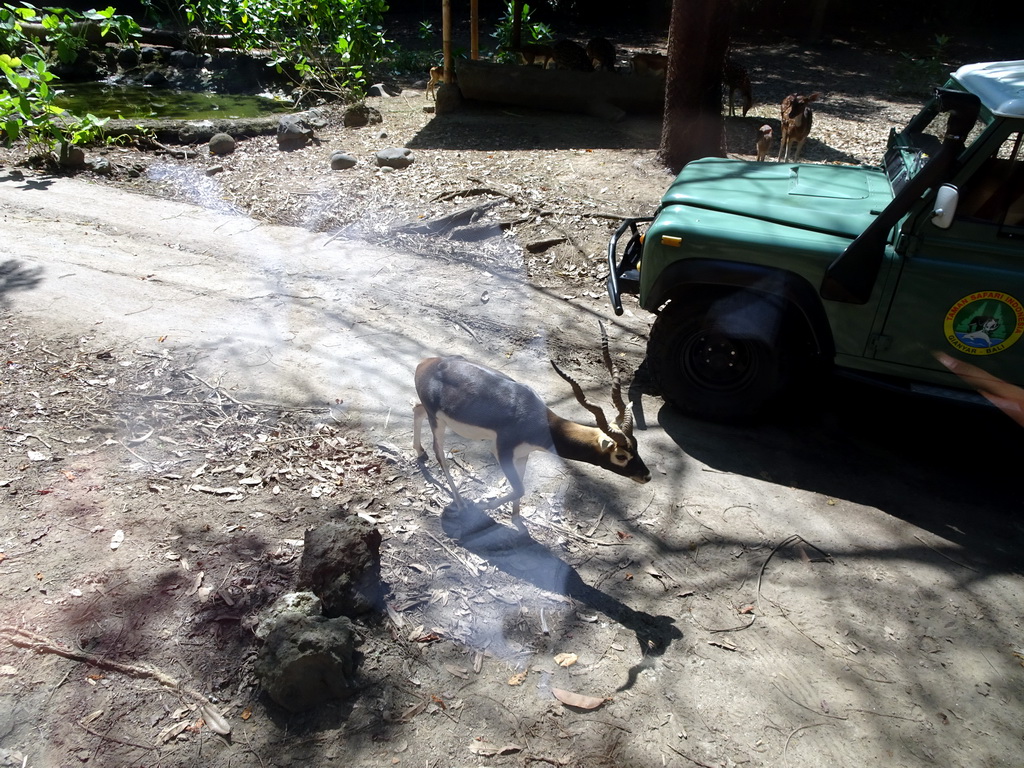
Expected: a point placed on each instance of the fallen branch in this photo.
(23, 638)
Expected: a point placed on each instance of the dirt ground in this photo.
(195, 375)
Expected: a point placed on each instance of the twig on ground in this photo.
(116, 740)
(760, 576)
(939, 552)
(24, 638)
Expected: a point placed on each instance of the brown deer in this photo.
(736, 79)
(568, 54)
(650, 64)
(480, 403)
(797, 118)
(436, 76)
(534, 53)
(764, 142)
(602, 54)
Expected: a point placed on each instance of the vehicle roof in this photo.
(999, 85)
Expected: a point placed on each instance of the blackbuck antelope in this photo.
(480, 403)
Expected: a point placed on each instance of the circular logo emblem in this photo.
(984, 323)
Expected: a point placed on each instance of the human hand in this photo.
(1007, 397)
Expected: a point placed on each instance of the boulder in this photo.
(358, 115)
(307, 660)
(293, 131)
(395, 157)
(341, 565)
(222, 144)
(341, 160)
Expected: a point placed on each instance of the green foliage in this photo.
(531, 32)
(328, 44)
(27, 108)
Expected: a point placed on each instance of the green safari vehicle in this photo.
(760, 272)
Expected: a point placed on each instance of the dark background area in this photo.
(915, 21)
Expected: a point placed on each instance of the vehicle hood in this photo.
(836, 200)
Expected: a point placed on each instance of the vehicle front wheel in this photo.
(719, 358)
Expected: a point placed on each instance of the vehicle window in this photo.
(995, 193)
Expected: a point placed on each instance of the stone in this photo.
(341, 565)
(395, 157)
(128, 58)
(305, 603)
(358, 115)
(155, 78)
(378, 90)
(222, 144)
(307, 660)
(100, 166)
(184, 59)
(196, 131)
(148, 54)
(448, 98)
(293, 132)
(73, 157)
(341, 160)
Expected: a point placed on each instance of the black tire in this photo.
(721, 358)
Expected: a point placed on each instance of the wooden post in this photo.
(517, 23)
(474, 29)
(446, 39)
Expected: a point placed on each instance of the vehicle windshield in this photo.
(910, 149)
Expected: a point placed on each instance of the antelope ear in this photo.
(606, 443)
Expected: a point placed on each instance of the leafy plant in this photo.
(327, 44)
(530, 31)
(27, 99)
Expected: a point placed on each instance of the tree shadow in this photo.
(16, 276)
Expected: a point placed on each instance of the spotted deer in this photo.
(436, 76)
(480, 403)
(797, 117)
(764, 141)
(568, 54)
(649, 64)
(602, 54)
(736, 80)
(534, 53)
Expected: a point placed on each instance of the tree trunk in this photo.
(697, 41)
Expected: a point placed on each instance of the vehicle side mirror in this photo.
(945, 206)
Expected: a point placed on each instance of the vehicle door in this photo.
(960, 290)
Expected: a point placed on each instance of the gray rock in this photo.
(101, 166)
(213, 170)
(341, 565)
(184, 59)
(128, 57)
(305, 603)
(307, 660)
(395, 157)
(378, 89)
(195, 131)
(293, 131)
(361, 114)
(155, 78)
(222, 144)
(448, 99)
(341, 160)
(149, 54)
(74, 157)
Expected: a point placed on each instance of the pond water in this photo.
(143, 102)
